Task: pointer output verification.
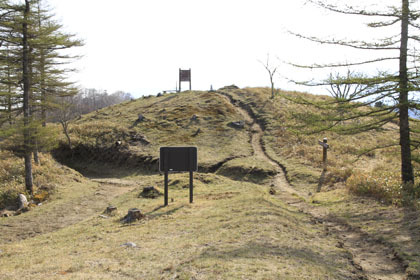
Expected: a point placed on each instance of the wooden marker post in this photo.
(325, 147)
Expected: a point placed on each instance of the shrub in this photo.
(385, 186)
(9, 197)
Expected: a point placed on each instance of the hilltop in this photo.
(255, 214)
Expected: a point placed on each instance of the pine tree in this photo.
(396, 90)
(35, 72)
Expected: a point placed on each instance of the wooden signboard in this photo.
(173, 159)
(178, 159)
(184, 76)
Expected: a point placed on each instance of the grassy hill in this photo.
(241, 224)
(301, 154)
(199, 118)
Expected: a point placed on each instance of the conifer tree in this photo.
(38, 78)
(395, 89)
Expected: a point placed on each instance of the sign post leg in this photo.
(191, 187)
(166, 188)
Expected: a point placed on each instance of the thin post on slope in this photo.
(325, 146)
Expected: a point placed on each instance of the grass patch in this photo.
(395, 226)
(233, 230)
(301, 155)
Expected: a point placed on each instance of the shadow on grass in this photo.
(411, 225)
(337, 262)
(153, 213)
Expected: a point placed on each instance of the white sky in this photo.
(138, 46)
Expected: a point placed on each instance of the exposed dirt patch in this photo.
(371, 258)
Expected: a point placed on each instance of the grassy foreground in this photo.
(232, 230)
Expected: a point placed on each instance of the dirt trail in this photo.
(373, 259)
(63, 214)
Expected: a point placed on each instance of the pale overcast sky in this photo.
(138, 46)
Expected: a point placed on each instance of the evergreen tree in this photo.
(34, 76)
(396, 90)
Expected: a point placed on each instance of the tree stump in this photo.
(133, 214)
(110, 210)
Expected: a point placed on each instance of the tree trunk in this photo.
(406, 167)
(272, 88)
(42, 75)
(36, 153)
(9, 88)
(26, 99)
(65, 126)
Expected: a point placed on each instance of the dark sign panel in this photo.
(178, 159)
(184, 75)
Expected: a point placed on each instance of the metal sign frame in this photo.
(178, 159)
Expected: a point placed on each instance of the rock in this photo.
(237, 125)
(22, 201)
(129, 244)
(133, 214)
(194, 118)
(141, 118)
(150, 192)
(110, 210)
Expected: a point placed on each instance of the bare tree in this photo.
(271, 70)
(65, 114)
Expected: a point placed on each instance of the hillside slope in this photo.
(247, 221)
(142, 126)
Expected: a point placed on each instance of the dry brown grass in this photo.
(302, 155)
(46, 177)
(167, 123)
(234, 230)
